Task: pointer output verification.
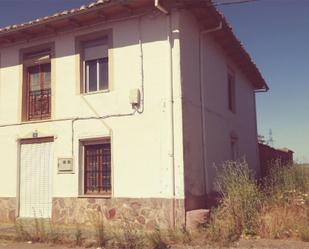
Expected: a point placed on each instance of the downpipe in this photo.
(202, 100)
(170, 40)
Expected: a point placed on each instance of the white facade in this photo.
(157, 153)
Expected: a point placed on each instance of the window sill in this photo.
(97, 92)
(36, 120)
(232, 111)
(106, 196)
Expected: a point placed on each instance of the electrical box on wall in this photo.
(135, 97)
(65, 165)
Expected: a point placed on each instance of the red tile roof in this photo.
(204, 10)
(54, 16)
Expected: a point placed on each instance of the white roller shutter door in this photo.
(36, 180)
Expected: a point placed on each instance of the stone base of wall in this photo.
(144, 213)
(7, 209)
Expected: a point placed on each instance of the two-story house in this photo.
(122, 107)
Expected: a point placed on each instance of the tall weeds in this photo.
(278, 208)
(241, 196)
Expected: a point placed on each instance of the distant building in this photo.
(269, 154)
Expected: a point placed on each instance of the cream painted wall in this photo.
(141, 144)
(220, 122)
(144, 149)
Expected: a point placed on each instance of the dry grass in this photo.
(279, 208)
(276, 209)
(281, 221)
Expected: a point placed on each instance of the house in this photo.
(122, 107)
(270, 156)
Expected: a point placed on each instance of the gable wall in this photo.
(219, 121)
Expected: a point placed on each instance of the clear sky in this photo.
(274, 32)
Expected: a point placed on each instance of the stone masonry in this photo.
(7, 209)
(144, 213)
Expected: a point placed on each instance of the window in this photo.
(37, 85)
(95, 65)
(97, 168)
(234, 147)
(231, 91)
(39, 92)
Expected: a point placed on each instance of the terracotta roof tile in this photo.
(255, 74)
(62, 13)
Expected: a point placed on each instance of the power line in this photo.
(236, 2)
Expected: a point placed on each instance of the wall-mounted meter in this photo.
(65, 165)
(135, 97)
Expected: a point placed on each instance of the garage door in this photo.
(36, 179)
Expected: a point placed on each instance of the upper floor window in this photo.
(37, 85)
(39, 91)
(95, 65)
(231, 91)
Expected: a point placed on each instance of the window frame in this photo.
(82, 158)
(79, 43)
(42, 82)
(86, 75)
(234, 143)
(34, 56)
(231, 91)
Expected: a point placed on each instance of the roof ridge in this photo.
(57, 14)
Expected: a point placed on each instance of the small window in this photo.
(234, 148)
(95, 65)
(97, 168)
(231, 92)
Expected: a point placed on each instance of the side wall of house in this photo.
(143, 177)
(219, 122)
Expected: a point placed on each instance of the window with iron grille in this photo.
(39, 92)
(97, 168)
(36, 98)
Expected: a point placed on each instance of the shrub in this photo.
(157, 240)
(181, 235)
(102, 235)
(21, 233)
(241, 197)
(78, 236)
(129, 237)
(304, 233)
(221, 227)
(281, 220)
(282, 179)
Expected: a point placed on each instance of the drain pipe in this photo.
(160, 7)
(170, 40)
(202, 100)
(169, 19)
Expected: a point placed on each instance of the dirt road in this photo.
(244, 244)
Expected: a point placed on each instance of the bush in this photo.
(277, 209)
(102, 233)
(241, 196)
(281, 220)
(129, 237)
(304, 233)
(157, 240)
(283, 179)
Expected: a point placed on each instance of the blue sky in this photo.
(274, 32)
